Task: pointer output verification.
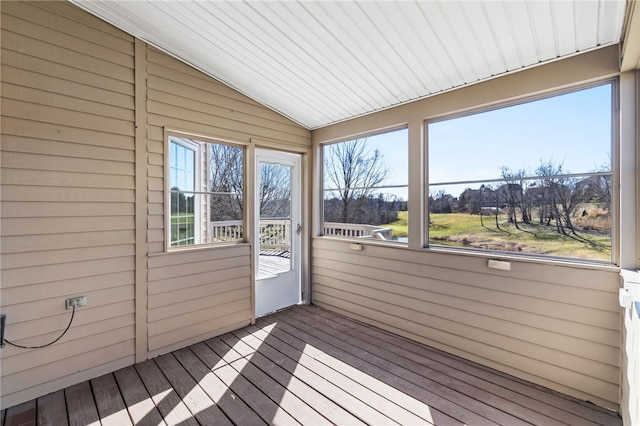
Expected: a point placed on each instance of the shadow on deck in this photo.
(306, 365)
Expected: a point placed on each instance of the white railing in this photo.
(275, 234)
(357, 230)
(226, 231)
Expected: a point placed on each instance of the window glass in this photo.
(206, 183)
(529, 178)
(365, 187)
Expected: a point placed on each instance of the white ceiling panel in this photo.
(321, 62)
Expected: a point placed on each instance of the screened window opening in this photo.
(530, 178)
(206, 183)
(365, 186)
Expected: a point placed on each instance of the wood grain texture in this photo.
(308, 365)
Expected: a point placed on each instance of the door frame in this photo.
(255, 153)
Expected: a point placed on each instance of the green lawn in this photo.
(465, 230)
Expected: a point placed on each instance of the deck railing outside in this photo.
(357, 230)
(274, 233)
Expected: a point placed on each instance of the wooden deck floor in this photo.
(308, 366)
(273, 264)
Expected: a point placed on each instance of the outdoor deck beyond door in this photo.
(306, 365)
(278, 214)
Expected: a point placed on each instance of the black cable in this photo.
(48, 344)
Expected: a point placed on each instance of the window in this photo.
(365, 187)
(205, 192)
(529, 178)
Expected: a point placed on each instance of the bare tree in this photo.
(563, 195)
(226, 181)
(275, 190)
(354, 172)
(515, 195)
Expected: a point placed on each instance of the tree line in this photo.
(551, 195)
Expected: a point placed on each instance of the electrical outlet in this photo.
(76, 302)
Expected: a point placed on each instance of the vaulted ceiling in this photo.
(321, 62)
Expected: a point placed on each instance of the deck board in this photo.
(306, 365)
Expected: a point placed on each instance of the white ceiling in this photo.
(321, 62)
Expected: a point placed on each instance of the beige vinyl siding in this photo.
(67, 196)
(630, 351)
(553, 325)
(198, 293)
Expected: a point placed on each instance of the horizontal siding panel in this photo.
(169, 285)
(72, 12)
(61, 23)
(66, 288)
(191, 268)
(226, 318)
(58, 149)
(40, 258)
(155, 171)
(544, 310)
(98, 356)
(23, 209)
(26, 177)
(518, 281)
(193, 318)
(162, 65)
(29, 46)
(177, 341)
(177, 258)
(570, 321)
(68, 212)
(528, 368)
(226, 113)
(56, 225)
(93, 335)
(162, 316)
(558, 330)
(217, 106)
(155, 184)
(438, 310)
(30, 243)
(216, 124)
(47, 132)
(157, 159)
(71, 103)
(42, 74)
(119, 97)
(42, 274)
(184, 294)
(77, 42)
(155, 209)
(168, 82)
(573, 275)
(155, 236)
(29, 111)
(113, 305)
(20, 160)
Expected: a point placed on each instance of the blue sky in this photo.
(573, 129)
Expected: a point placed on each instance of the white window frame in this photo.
(198, 144)
(615, 180)
(380, 188)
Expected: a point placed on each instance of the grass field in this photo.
(465, 230)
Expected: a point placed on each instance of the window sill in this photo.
(493, 255)
(198, 247)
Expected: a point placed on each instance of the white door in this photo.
(278, 212)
